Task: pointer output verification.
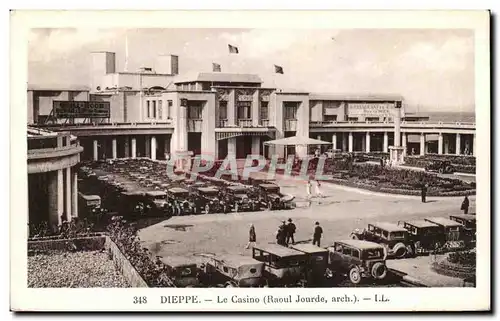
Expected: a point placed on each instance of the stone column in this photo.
(334, 141)
(231, 147)
(153, 147)
(474, 144)
(318, 138)
(367, 143)
(114, 149)
(55, 198)
(458, 149)
(256, 145)
(351, 139)
(68, 194)
(231, 107)
(134, 148)
(422, 144)
(403, 140)
(386, 142)
(74, 195)
(446, 141)
(440, 143)
(96, 150)
(126, 148)
(255, 108)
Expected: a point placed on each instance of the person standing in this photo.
(465, 205)
(291, 228)
(318, 231)
(252, 237)
(318, 190)
(281, 235)
(308, 189)
(424, 192)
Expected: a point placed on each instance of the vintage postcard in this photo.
(253, 160)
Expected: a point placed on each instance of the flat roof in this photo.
(388, 226)
(421, 223)
(465, 216)
(278, 250)
(308, 248)
(237, 260)
(442, 221)
(208, 189)
(179, 260)
(178, 190)
(156, 193)
(361, 244)
(355, 97)
(238, 188)
(55, 87)
(221, 77)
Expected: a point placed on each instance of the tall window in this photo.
(194, 112)
(291, 110)
(223, 109)
(154, 109)
(264, 110)
(160, 109)
(245, 110)
(169, 109)
(148, 112)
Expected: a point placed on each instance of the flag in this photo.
(278, 69)
(216, 67)
(233, 49)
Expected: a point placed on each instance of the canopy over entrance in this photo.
(296, 141)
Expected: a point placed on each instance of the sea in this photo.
(447, 116)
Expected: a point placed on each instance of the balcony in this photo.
(194, 125)
(264, 122)
(245, 123)
(291, 125)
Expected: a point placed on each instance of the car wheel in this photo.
(354, 237)
(379, 271)
(355, 275)
(399, 250)
(441, 171)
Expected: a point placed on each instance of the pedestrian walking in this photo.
(465, 205)
(281, 235)
(424, 192)
(318, 190)
(318, 231)
(290, 229)
(308, 189)
(252, 237)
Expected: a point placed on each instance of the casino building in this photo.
(157, 113)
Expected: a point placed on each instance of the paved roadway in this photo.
(339, 212)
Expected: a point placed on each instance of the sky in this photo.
(433, 69)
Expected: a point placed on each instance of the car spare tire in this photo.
(379, 270)
(399, 250)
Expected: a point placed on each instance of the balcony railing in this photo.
(245, 123)
(264, 122)
(194, 125)
(290, 125)
(406, 123)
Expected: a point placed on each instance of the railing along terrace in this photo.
(408, 123)
(245, 123)
(108, 124)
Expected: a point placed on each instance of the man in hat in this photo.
(290, 231)
(318, 231)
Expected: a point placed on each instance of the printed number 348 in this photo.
(140, 300)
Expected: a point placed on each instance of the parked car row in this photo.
(416, 237)
(142, 188)
(271, 265)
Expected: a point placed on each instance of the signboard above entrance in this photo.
(81, 109)
(370, 109)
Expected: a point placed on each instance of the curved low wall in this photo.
(52, 159)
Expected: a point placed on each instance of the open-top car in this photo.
(283, 266)
(182, 271)
(207, 200)
(394, 238)
(181, 201)
(358, 259)
(425, 236)
(238, 198)
(234, 271)
(317, 262)
(468, 222)
(270, 197)
(454, 238)
(443, 167)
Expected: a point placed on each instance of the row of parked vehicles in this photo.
(417, 237)
(140, 191)
(272, 265)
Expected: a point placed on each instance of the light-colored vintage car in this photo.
(182, 271)
(234, 271)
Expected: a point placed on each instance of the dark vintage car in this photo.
(317, 263)
(89, 206)
(181, 201)
(443, 167)
(207, 200)
(159, 203)
(239, 199)
(394, 238)
(182, 271)
(283, 266)
(234, 271)
(425, 236)
(468, 222)
(270, 197)
(358, 259)
(454, 236)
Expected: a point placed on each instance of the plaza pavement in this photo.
(339, 212)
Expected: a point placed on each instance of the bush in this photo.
(465, 258)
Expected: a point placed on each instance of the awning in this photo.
(296, 141)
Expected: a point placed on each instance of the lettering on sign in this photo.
(245, 98)
(371, 109)
(81, 109)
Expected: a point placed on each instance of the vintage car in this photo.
(358, 259)
(394, 238)
(425, 236)
(89, 206)
(182, 271)
(454, 236)
(468, 222)
(181, 201)
(159, 203)
(238, 199)
(317, 263)
(271, 198)
(207, 200)
(234, 271)
(132, 204)
(443, 167)
(283, 266)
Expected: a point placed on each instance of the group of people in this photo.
(285, 234)
(317, 189)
